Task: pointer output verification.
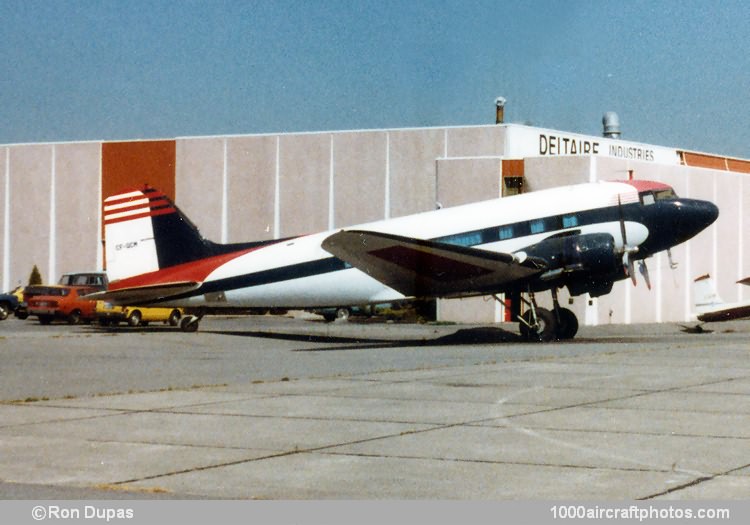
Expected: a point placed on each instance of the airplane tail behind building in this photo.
(145, 232)
(705, 294)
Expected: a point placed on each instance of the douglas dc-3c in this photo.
(584, 236)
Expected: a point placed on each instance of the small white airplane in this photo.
(710, 308)
(585, 237)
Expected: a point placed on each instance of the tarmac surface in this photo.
(281, 408)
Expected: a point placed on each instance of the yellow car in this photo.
(109, 314)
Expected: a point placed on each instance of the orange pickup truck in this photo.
(62, 302)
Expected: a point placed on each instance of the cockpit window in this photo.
(665, 194)
(650, 197)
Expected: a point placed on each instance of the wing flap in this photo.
(147, 294)
(420, 268)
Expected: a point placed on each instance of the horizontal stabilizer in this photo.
(420, 268)
(141, 295)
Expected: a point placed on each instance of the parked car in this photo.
(97, 280)
(62, 302)
(108, 314)
(9, 302)
(22, 312)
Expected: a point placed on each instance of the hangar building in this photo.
(253, 187)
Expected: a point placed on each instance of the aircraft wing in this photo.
(420, 268)
(138, 295)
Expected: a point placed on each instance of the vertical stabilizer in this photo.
(145, 232)
(704, 293)
(130, 247)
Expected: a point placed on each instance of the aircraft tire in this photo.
(567, 326)
(545, 329)
(189, 323)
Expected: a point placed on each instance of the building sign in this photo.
(562, 145)
(631, 152)
(525, 141)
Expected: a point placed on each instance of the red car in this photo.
(63, 302)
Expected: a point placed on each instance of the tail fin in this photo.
(705, 295)
(144, 232)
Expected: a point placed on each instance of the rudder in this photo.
(705, 294)
(144, 232)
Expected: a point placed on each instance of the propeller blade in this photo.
(628, 265)
(623, 231)
(672, 264)
(644, 272)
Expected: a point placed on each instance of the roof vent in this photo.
(611, 123)
(499, 110)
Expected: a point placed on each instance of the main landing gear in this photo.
(540, 324)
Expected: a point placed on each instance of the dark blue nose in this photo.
(689, 217)
(674, 221)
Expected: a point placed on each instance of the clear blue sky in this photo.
(676, 72)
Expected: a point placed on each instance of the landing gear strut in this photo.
(540, 324)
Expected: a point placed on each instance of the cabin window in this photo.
(505, 232)
(464, 239)
(569, 221)
(537, 226)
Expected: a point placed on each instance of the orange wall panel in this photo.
(133, 164)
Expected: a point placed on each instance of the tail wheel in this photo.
(567, 324)
(541, 330)
(189, 323)
(134, 319)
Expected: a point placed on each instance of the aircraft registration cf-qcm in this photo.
(584, 237)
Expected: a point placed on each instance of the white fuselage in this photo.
(351, 286)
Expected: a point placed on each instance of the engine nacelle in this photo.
(584, 263)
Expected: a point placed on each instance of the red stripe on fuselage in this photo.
(195, 271)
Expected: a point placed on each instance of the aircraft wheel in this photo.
(4, 311)
(544, 330)
(189, 323)
(567, 326)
